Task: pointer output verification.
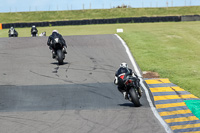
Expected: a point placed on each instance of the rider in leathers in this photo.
(14, 31)
(54, 35)
(34, 29)
(119, 76)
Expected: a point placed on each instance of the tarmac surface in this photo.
(39, 96)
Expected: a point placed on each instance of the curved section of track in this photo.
(37, 95)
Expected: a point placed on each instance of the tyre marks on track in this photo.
(47, 76)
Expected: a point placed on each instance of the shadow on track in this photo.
(128, 105)
(56, 63)
(60, 97)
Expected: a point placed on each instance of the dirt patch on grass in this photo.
(149, 74)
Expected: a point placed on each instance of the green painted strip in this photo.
(194, 106)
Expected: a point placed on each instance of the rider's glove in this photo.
(116, 81)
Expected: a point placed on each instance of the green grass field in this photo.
(171, 49)
(96, 14)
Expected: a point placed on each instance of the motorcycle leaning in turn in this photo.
(133, 90)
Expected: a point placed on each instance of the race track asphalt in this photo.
(39, 96)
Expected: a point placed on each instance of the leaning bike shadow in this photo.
(128, 105)
(56, 63)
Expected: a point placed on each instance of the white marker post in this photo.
(120, 30)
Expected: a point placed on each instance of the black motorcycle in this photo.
(58, 49)
(132, 88)
(34, 33)
(13, 33)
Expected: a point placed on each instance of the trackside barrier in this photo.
(0, 26)
(96, 21)
(106, 21)
(190, 18)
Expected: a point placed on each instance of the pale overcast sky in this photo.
(53, 5)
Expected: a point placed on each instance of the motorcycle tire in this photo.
(134, 97)
(60, 57)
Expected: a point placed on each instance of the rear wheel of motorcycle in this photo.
(134, 97)
(60, 57)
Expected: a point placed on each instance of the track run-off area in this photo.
(39, 96)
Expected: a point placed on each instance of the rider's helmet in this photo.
(55, 31)
(33, 26)
(11, 28)
(124, 65)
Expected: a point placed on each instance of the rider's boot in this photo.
(53, 54)
(64, 49)
(140, 91)
(125, 95)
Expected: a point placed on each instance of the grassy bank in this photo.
(96, 14)
(171, 49)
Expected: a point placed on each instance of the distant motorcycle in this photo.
(34, 33)
(58, 49)
(131, 87)
(13, 33)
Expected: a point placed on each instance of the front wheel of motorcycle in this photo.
(134, 97)
(60, 57)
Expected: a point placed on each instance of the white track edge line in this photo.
(155, 112)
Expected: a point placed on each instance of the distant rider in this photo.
(34, 30)
(12, 31)
(120, 75)
(50, 41)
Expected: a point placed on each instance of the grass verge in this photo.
(96, 14)
(171, 49)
